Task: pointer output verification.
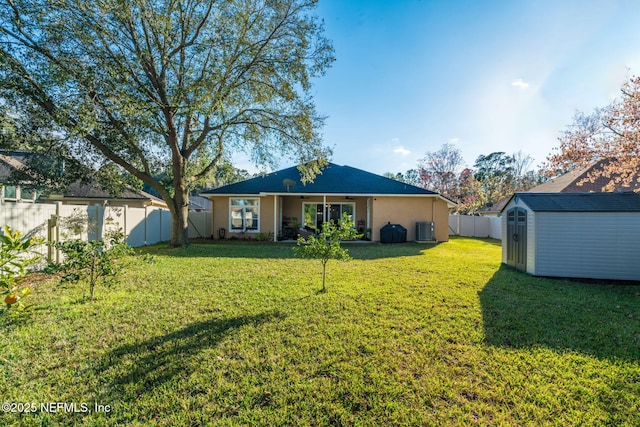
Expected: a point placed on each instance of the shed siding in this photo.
(532, 240)
(599, 245)
(503, 225)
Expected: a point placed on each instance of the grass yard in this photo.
(235, 334)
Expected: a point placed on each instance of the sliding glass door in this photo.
(313, 213)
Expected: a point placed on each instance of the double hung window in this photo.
(244, 214)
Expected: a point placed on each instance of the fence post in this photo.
(51, 224)
(125, 210)
(58, 205)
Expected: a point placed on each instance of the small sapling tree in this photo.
(326, 245)
(93, 261)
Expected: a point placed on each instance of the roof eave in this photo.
(449, 203)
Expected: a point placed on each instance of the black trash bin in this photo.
(393, 233)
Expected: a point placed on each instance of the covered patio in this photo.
(304, 214)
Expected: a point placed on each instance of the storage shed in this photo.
(582, 235)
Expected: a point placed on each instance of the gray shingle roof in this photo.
(495, 208)
(79, 190)
(76, 190)
(335, 179)
(581, 202)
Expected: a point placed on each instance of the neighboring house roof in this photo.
(195, 206)
(495, 208)
(570, 182)
(9, 164)
(77, 190)
(89, 191)
(333, 180)
(580, 202)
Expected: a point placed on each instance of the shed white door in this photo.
(517, 238)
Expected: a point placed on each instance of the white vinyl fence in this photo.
(475, 226)
(58, 222)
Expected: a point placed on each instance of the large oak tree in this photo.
(169, 85)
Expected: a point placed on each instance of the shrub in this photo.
(17, 255)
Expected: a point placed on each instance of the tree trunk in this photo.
(179, 228)
(324, 276)
(180, 217)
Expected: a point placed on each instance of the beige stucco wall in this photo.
(220, 216)
(406, 211)
(397, 210)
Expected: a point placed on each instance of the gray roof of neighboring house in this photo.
(8, 164)
(76, 190)
(496, 207)
(580, 202)
(334, 179)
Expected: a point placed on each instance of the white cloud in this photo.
(401, 150)
(454, 140)
(520, 84)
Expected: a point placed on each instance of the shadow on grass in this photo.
(489, 240)
(522, 311)
(280, 250)
(141, 367)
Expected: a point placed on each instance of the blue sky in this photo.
(488, 76)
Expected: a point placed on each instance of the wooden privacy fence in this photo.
(475, 226)
(59, 222)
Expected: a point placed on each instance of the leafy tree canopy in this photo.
(153, 86)
(611, 132)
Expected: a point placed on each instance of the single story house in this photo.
(279, 203)
(581, 235)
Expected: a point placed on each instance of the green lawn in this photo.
(236, 334)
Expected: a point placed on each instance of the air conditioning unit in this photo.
(424, 232)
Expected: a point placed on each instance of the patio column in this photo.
(275, 218)
(369, 202)
(324, 208)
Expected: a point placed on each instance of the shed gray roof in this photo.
(580, 202)
(334, 179)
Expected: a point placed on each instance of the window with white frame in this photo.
(244, 214)
(16, 193)
(10, 192)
